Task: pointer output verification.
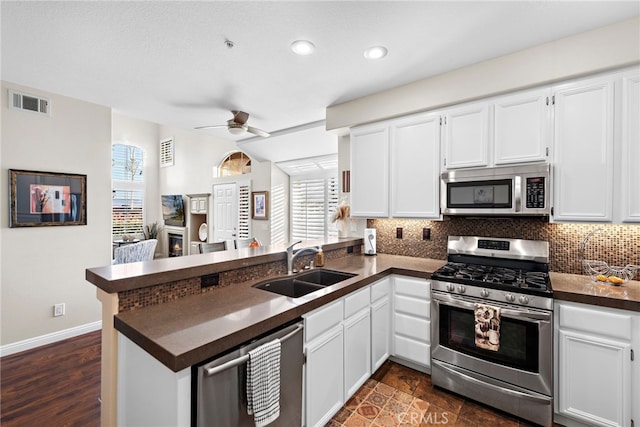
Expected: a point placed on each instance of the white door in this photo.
(225, 212)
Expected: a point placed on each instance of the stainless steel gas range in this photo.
(492, 325)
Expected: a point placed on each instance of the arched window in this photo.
(236, 163)
(127, 183)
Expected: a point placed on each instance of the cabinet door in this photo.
(415, 167)
(594, 376)
(380, 332)
(202, 204)
(467, 136)
(521, 127)
(583, 151)
(357, 352)
(370, 171)
(324, 377)
(630, 172)
(194, 205)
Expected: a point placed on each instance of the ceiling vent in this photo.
(23, 101)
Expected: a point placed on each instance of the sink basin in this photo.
(324, 277)
(303, 283)
(288, 286)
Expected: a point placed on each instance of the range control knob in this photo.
(461, 289)
(523, 299)
(510, 297)
(450, 287)
(484, 293)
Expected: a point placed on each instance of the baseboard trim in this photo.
(31, 343)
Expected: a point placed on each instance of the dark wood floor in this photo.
(53, 385)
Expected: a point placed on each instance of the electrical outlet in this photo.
(426, 234)
(399, 233)
(58, 310)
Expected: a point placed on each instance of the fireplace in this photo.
(175, 241)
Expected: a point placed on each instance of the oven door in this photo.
(525, 354)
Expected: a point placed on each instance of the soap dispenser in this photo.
(320, 258)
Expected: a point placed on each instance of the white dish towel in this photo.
(263, 383)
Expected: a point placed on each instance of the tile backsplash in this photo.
(615, 244)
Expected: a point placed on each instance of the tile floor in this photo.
(397, 396)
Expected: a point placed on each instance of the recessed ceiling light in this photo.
(375, 52)
(302, 47)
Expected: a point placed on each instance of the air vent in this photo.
(166, 153)
(23, 101)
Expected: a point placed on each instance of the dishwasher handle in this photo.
(242, 359)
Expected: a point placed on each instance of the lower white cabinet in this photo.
(597, 381)
(324, 371)
(357, 351)
(412, 320)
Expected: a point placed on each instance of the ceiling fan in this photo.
(238, 125)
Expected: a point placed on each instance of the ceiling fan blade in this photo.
(211, 127)
(240, 117)
(257, 131)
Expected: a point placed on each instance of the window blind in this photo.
(127, 180)
(312, 202)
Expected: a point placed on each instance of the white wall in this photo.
(42, 266)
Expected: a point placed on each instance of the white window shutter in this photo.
(167, 153)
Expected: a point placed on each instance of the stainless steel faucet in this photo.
(291, 257)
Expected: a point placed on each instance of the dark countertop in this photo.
(193, 329)
(583, 289)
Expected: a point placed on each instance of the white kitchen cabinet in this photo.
(197, 216)
(415, 164)
(583, 151)
(597, 382)
(411, 320)
(629, 171)
(370, 171)
(380, 323)
(324, 368)
(521, 127)
(466, 136)
(389, 161)
(357, 351)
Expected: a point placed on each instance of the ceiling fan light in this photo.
(236, 130)
(302, 47)
(376, 52)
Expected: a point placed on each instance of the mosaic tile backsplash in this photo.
(615, 244)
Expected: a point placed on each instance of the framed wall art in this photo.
(260, 205)
(38, 199)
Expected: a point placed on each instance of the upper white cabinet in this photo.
(389, 161)
(629, 198)
(415, 160)
(583, 159)
(521, 127)
(597, 149)
(466, 136)
(498, 131)
(370, 171)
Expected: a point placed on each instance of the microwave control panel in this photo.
(535, 193)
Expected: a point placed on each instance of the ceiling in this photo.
(167, 61)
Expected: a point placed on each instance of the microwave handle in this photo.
(518, 191)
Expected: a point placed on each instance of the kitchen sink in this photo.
(303, 283)
(324, 277)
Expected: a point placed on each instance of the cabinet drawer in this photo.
(355, 302)
(414, 327)
(322, 319)
(413, 306)
(380, 289)
(412, 350)
(595, 321)
(418, 288)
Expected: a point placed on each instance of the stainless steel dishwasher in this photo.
(221, 383)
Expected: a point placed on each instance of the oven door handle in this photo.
(523, 314)
(493, 387)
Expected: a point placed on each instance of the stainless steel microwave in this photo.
(505, 190)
